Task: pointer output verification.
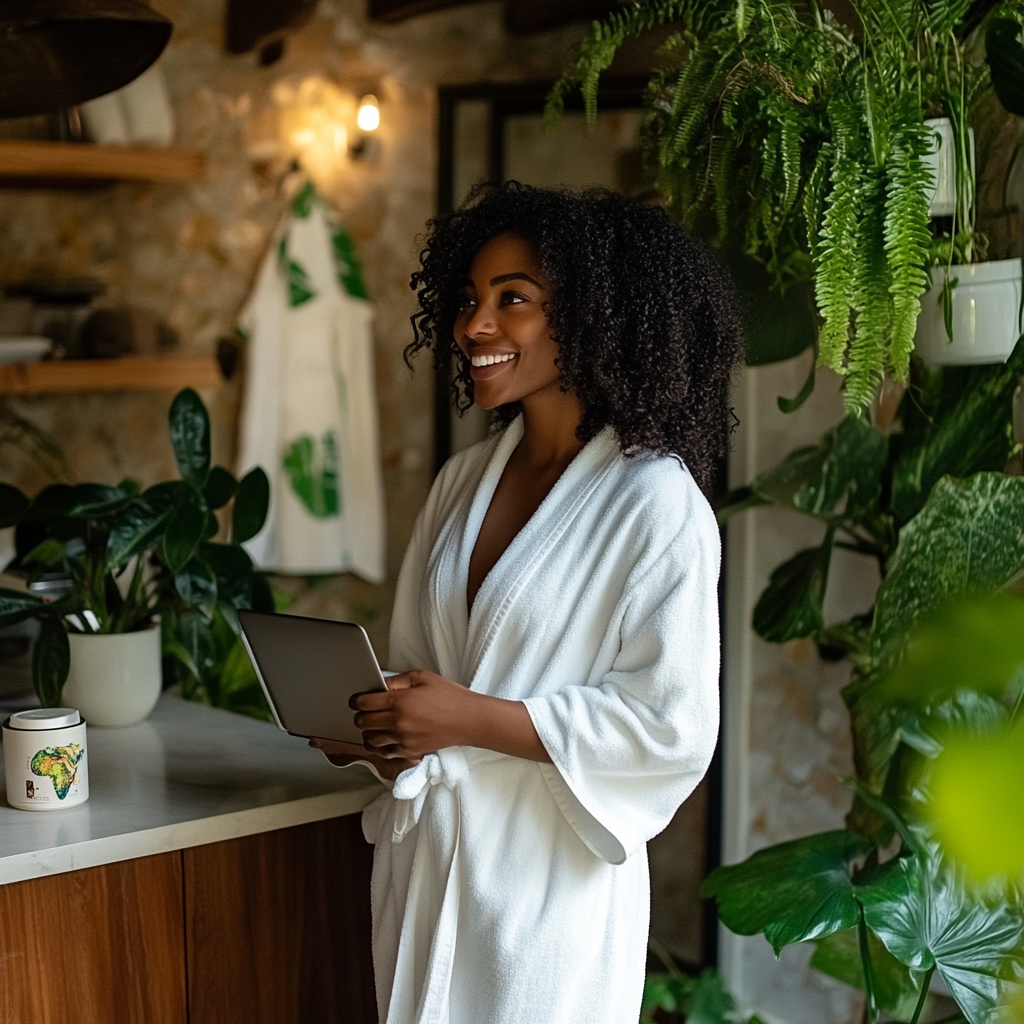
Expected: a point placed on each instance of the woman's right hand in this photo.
(343, 754)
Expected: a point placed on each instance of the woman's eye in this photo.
(512, 298)
(465, 302)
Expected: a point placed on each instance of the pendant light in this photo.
(55, 54)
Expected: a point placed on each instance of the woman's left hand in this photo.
(420, 712)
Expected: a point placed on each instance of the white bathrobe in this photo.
(506, 891)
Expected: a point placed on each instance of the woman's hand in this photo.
(422, 712)
(343, 754)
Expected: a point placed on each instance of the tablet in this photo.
(309, 668)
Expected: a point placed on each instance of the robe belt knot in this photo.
(447, 767)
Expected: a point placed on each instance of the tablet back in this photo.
(309, 668)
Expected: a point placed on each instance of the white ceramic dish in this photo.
(24, 348)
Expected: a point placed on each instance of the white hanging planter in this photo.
(115, 678)
(986, 315)
(942, 163)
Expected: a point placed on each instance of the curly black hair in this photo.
(644, 317)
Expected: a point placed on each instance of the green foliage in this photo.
(935, 703)
(678, 996)
(780, 132)
(130, 556)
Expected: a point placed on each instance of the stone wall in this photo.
(188, 253)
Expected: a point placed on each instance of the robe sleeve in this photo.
(407, 645)
(629, 749)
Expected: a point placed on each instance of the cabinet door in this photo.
(104, 945)
(278, 927)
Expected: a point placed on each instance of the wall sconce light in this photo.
(322, 126)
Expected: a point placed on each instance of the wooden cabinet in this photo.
(273, 927)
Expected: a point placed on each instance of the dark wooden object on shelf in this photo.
(70, 164)
(278, 927)
(102, 945)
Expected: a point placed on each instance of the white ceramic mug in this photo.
(45, 759)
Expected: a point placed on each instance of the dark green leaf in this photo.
(252, 501)
(220, 487)
(896, 987)
(195, 637)
(791, 604)
(791, 892)
(1005, 55)
(183, 533)
(94, 501)
(959, 422)
(197, 586)
(51, 660)
(788, 405)
(139, 524)
(234, 572)
(50, 553)
(738, 500)
(926, 917)
(190, 437)
(710, 1003)
(16, 607)
(966, 540)
(51, 502)
(13, 505)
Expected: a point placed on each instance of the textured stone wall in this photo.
(188, 253)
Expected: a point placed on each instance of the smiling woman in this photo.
(555, 624)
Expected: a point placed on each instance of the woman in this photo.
(556, 615)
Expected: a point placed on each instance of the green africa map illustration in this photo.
(59, 764)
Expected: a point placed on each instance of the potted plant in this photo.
(801, 142)
(786, 135)
(142, 576)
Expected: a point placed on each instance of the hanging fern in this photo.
(807, 144)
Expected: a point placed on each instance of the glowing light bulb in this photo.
(368, 117)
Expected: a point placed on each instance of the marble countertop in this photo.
(186, 776)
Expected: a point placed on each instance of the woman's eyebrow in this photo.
(517, 275)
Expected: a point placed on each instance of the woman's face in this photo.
(503, 329)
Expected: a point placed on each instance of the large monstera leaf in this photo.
(927, 918)
(967, 539)
(791, 892)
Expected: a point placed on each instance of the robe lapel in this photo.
(513, 571)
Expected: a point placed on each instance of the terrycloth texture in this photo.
(309, 413)
(511, 892)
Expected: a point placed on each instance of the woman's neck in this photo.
(550, 421)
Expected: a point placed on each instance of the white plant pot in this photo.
(986, 315)
(115, 678)
(942, 163)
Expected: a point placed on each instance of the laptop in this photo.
(309, 668)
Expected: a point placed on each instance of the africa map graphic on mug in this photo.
(59, 764)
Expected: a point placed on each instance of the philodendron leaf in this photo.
(977, 644)
(16, 607)
(252, 501)
(197, 586)
(927, 918)
(190, 437)
(94, 501)
(184, 531)
(51, 661)
(13, 505)
(897, 987)
(966, 540)
(791, 892)
(220, 487)
(140, 523)
(791, 604)
(234, 572)
(967, 429)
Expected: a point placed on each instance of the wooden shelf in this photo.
(71, 162)
(166, 373)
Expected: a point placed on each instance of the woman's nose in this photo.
(481, 322)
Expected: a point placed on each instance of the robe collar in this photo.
(517, 564)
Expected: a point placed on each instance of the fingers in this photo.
(374, 700)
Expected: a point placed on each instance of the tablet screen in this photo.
(309, 668)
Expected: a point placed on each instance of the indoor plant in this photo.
(142, 569)
(805, 143)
